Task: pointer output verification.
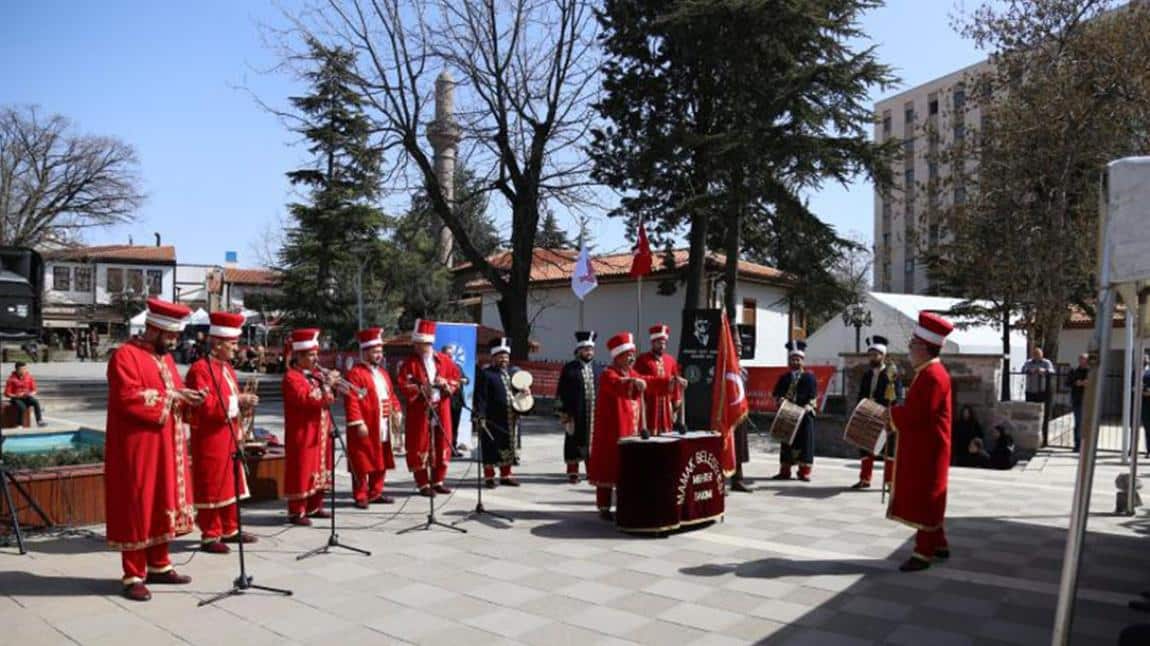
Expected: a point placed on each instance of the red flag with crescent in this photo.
(641, 263)
(729, 406)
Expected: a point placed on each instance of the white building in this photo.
(553, 308)
(87, 287)
(895, 316)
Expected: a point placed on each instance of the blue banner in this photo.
(462, 339)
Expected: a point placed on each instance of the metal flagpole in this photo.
(1127, 382)
(1134, 321)
(639, 307)
(581, 298)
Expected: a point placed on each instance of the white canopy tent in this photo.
(200, 317)
(895, 316)
(136, 323)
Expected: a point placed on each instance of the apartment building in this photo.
(927, 120)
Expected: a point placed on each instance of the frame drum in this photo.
(866, 427)
(786, 422)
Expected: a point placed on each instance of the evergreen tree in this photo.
(550, 235)
(720, 113)
(333, 236)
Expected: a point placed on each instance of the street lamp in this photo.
(858, 317)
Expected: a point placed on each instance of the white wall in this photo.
(611, 308)
(168, 286)
(1072, 343)
(71, 297)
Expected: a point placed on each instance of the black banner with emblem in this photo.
(698, 346)
(746, 342)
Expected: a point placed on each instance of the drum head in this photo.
(522, 380)
(522, 402)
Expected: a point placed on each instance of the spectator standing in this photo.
(1076, 380)
(20, 390)
(1037, 369)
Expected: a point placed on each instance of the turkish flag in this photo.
(729, 406)
(641, 264)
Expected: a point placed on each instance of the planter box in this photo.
(74, 495)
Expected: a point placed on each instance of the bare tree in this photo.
(527, 77)
(54, 183)
(266, 247)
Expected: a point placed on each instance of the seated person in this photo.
(21, 391)
(1002, 456)
(966, 430)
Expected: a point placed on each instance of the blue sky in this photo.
(175, 80)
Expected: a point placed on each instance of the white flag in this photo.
(583, 280)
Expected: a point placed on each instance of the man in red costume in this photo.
(428, 379)
(147, 484)
(664, 394)
(617, 406)
(369, 421)
(922, 463)
(307, 391)
(215, 432)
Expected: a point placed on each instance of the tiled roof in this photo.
(1080, 320)
(238, 276)
(557, 265)
(115, 253)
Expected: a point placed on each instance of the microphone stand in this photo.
(243, 582)
(479, 509)
(433, 423)
(333, 537)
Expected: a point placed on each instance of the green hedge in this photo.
(65, 457)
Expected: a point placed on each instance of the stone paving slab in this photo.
(793, 563)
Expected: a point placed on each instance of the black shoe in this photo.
(942, 555)
(489, 483)
(781, 476)
(426, 492)
(509, 482)
(606, 514)
(1145, 594)
(1139, 604)
(740, 486)
(914, 564)
(861, 484)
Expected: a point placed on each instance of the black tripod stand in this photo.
(433, 424)
(243, 582)
(479, 509)
(333, 537)
(6, 477)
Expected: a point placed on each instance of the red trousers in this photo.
(217, 523)
(368, 486)
(573, 468)
(866, 470)
(137, 563)
(926, 543)
(421, 479)
(309, 505)
(489, 471)
(603, 497)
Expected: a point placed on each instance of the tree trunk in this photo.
(732, 244)
(696, 262)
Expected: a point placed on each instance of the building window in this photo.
(155, 282)
(932, 235)
(750, 309)
(932, 107)
(909, 266)
(136, 281)
(886, 244)
(886, 124)
(908, 115)
(908, 179)
(115, 280)
(908, 147)
(62, 279)
(83, 279)
(959, 99)
(932, 169)
(959, 131)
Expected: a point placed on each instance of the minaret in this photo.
(444, 135)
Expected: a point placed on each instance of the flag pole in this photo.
(581, 298)
(639, 306)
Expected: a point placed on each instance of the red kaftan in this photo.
(662, 396)
(307, 428)
(417, 426)
(212, 445)
(147, 483)
(369, 421)
(922, 461)
(616, 416)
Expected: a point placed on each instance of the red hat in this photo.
(226, 325)
(370, 338)
(424, 332)
(304, 339)
(932, 328)
(169, 317)
(620, 343)
(660, 331)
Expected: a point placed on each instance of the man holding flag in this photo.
(729, 406)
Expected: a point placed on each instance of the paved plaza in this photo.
(793, 563)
